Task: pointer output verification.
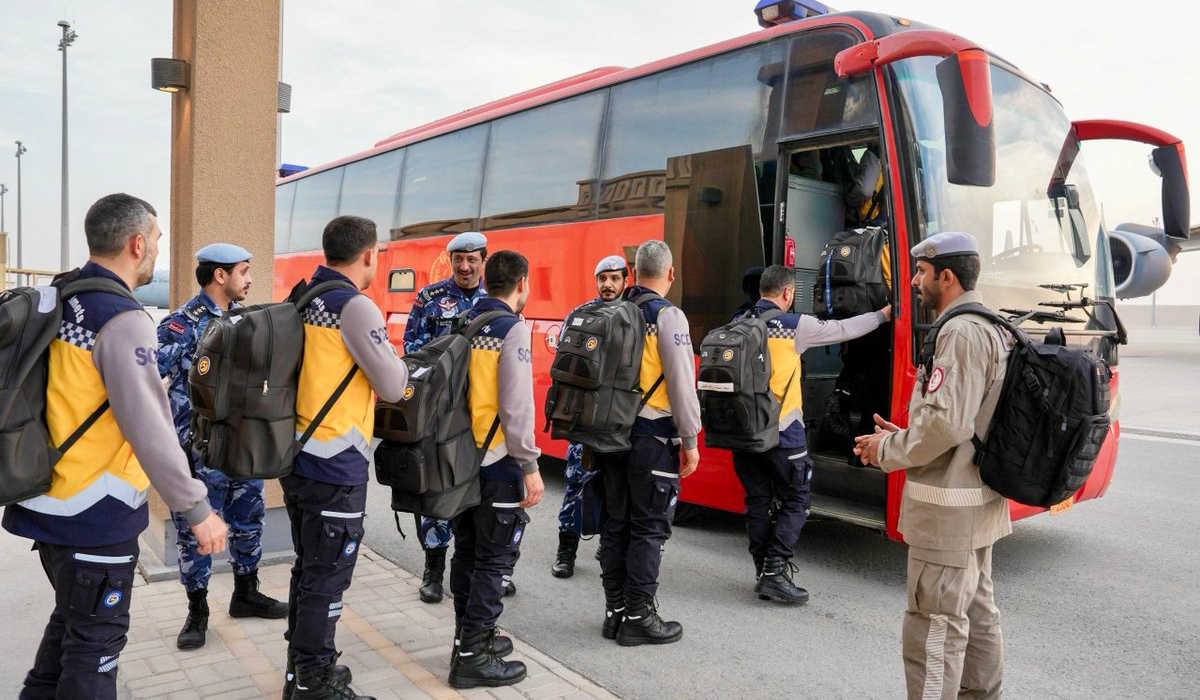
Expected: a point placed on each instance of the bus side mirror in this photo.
(966, 88)
(1176, 203)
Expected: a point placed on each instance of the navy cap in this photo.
(946, 244)
(222, 254)
(612, 263)
(468, 242)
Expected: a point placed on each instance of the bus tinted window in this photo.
(442, 179)
(285, 195)
(715, 103)
(816, 98)
(371, 187)
(316, 203)
(542, 164)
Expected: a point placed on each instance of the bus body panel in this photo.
(562, 255)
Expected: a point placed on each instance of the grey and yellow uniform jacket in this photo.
(501, 387)
(343, 328)
(673, 409)
(946, 506)
(106, 350)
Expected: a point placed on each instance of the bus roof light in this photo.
(773, 12)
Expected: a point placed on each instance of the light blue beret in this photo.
(612, 263)
(946, 244)
(222, 254)
(467, 242)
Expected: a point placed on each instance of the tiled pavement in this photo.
(395, 645)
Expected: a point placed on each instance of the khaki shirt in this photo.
(946, 506)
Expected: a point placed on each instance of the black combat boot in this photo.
(758, 565)
(431, 580)
(510, 588)
(247, 601)
(564, 562)
(195, 628)
(476, 664)
(776, 584)
(614, 612)
(642, 625)
(501, 645)
(316, 683)
(338, 674)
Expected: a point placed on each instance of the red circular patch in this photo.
(936, 377)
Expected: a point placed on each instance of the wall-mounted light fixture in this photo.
(283, 97)
(168, 74)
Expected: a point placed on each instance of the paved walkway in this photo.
(396, 646)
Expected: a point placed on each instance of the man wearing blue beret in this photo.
(433, 313)
(223, 273)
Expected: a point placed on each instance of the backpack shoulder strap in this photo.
(929, 345)
(318, 289)
(764, 316)
(476, 324)
(337, 394)
(641, 299)
(69, 287)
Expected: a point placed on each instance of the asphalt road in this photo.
(1098, 602)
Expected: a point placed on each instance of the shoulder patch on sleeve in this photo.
(936, 378)
(176, 327)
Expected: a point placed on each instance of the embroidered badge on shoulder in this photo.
(936, 377)
(175, 327)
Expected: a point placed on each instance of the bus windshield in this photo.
(1032, 230)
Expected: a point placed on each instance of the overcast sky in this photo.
(370, 68)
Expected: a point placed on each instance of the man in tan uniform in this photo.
(949, 518)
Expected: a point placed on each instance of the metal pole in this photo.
(68, 38)
(20, 242)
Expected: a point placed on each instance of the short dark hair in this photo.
(964, 267)
(205, 271)
(346, 237)
(482, 252)
(775, 279)
(113, 220)
(502, 271)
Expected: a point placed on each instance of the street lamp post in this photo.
(68, 38)
(20, 260)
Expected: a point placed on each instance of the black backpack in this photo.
(850, 275)
(1051, 419)
(737, 407)
(595, 392)
(242, 386)
(30, 318)
(428, 455)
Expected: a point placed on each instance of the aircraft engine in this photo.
(1140, 263)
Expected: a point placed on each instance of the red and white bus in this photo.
(739, 154)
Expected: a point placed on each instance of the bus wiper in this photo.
(1065, 288)
(1019, 316)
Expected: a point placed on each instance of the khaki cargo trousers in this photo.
(952, 642)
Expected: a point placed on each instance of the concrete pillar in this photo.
(223, 140)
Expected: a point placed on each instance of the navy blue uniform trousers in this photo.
(783, 475)
(327, 528)
(641, 487)
(487, 544)
(77, 657)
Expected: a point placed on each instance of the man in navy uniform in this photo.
(223, 273)
(433, 313)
